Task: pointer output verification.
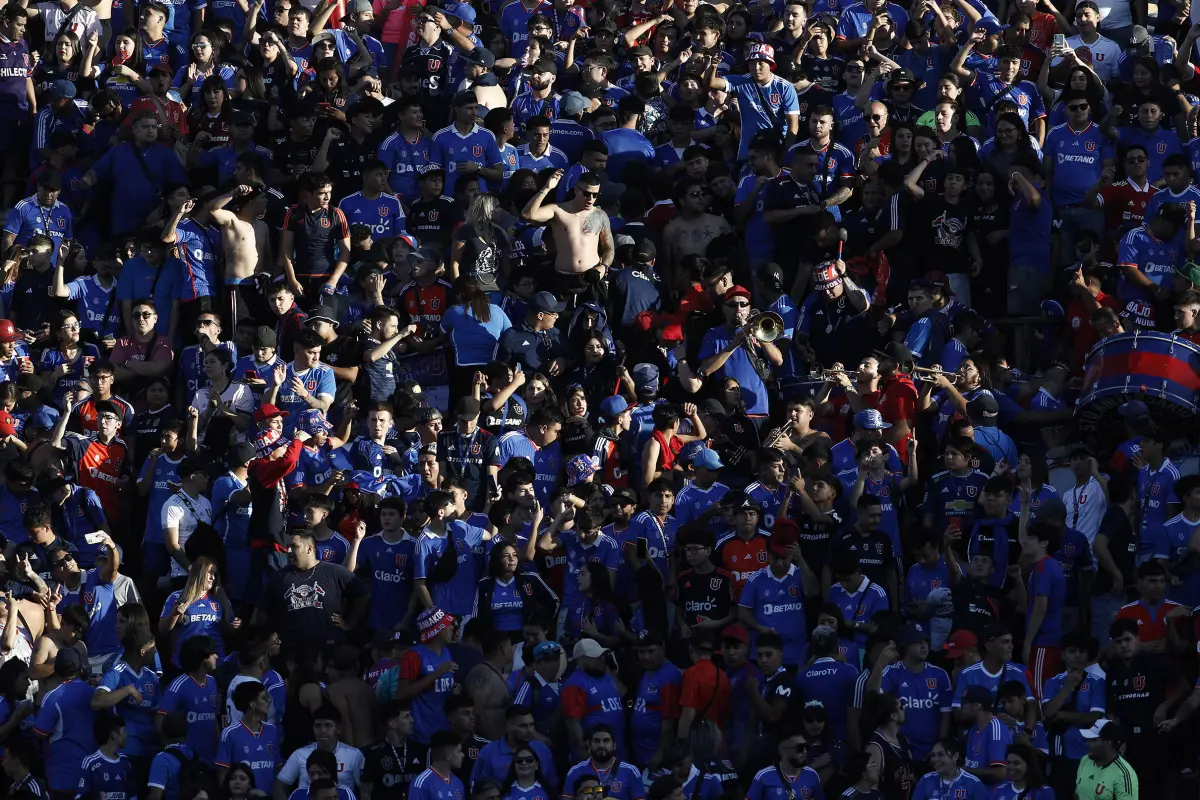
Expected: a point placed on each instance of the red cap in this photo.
(959, 643)
(8, 425)
(266, 411)
(8, 331)
(785, 535)
(737, 291)
(736, 632)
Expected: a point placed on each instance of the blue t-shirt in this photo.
(926, 696)
(456, 596)
(202, 618)
(478, 146)
(383, 214)
(762, 108)
(387, 568)
(987, 746)
(65, 719)
(199, 701)
(1078, 159)
(768, 784)
(739, 367)
(110, 778)
(475, 343)
(259, 750)
(318, 380)
(1089, 698)
(141, 735)
(778, 603)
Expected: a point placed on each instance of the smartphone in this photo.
(643, 548)
(251, 374)
(94, 538)
(1060, 41)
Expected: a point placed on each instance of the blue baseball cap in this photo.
(547, 650)
(708, 459)
(645, 378)
(462, 11)
(612, 407)
(869, 419)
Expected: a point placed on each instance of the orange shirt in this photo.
(706, 689)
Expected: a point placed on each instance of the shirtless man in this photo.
(351, 695)
(486, 685)
(244, 239)
(694, 228)
(581, 230)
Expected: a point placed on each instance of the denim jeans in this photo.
(1104, 611)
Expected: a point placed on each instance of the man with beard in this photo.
(311, 600)
(581, 229)
(788, 777)
(835, 316)
(619, 779)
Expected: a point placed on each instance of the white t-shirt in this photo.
(83, 23)
(1104, 53)
(1085, 508)
(236, 395)
(232, 715)
(350, 766)
(184, 513)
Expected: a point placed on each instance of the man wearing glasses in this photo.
(1125, 202)
(144, 353)
(788, 777)
(727, 350)
(581, 228)
(1077, 156)
(694, 229)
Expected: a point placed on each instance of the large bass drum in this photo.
(1159, 369)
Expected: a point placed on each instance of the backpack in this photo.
(193, 771)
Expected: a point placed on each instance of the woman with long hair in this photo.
(200, 608)
(278, 67)
(1080, 78)
(861, 777)
(524, 780)
(65, 363)
(224, 403)
(238, 783)
(538, 393)
(1026, 776)
(1146, 85)
(213, 112)
(596, 615)
(506, 599)
(69, 60)
(888, 747)
(1033, 478)
(475, 325)
(204, 62)
(948, 779)
(125, 73)
(1011, 145)
(599, 371)
(480, 246)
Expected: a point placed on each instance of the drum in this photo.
(1161, 370)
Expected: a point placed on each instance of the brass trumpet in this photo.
(830, 374)
(766, 326)
(930, 375)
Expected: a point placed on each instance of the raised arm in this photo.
(537, 210)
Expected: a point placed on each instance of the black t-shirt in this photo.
(1122, 546)
(302, 603)
(294, 158)
(874, 552)
(976, 605)
(389, 770)
(1135, 690)
(943, 240)
(706, 595)
(346, 159)
(816, 537)
(471, 747)
(432, 221)
(778, 686)
(344, 351)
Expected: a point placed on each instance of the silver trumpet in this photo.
(930, 375)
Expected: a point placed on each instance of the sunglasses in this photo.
(1078, 107)
(593, 195)
(141, 315)
(1136, 160)
(596, 790)
(877, 117)
(737, 305)
(525, 760)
